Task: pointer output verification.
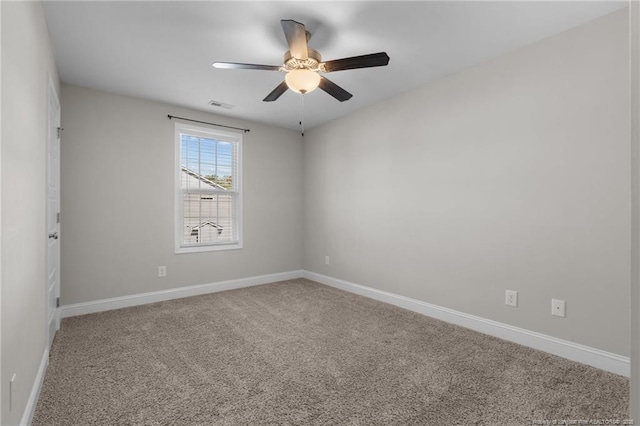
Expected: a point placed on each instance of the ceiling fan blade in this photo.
(296, 35)
(237, 66)
(277, 92)
(334, 90)
(365, 61)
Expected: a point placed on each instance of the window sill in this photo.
(216, 247)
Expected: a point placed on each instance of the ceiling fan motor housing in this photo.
(312, 63)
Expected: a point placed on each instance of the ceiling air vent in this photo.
(220, 105)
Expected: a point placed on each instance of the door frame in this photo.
(53, 131)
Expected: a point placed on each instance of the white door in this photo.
(53, 214)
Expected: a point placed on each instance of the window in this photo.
(208, 189)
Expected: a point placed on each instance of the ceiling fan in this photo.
(303, 65)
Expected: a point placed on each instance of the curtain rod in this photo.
(213, 124)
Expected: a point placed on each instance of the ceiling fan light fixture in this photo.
(302, 65)
(302, 81)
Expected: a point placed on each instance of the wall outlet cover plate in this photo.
(511, 298)
(558, 308)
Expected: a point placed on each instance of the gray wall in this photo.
(27, 63)
(511, 175)
(117, 180)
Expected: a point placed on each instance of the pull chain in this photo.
(302, 114)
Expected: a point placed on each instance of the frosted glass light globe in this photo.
(302, 81)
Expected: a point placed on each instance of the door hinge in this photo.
(58, 217)
(60, 129)
(57, 302)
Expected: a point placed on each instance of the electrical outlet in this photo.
(558, 308)
(327, 261)
(511, 298)
(162, 271)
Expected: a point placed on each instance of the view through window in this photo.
(208, 199)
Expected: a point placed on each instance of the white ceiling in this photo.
(164, 50)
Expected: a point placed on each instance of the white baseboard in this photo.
(573, 351)
(32, 402)
(174, 293)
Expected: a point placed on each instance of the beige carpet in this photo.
(300, 353)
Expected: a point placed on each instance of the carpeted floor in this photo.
(301, 353)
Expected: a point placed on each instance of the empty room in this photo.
(319, 213)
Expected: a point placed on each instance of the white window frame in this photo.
(209, 133)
